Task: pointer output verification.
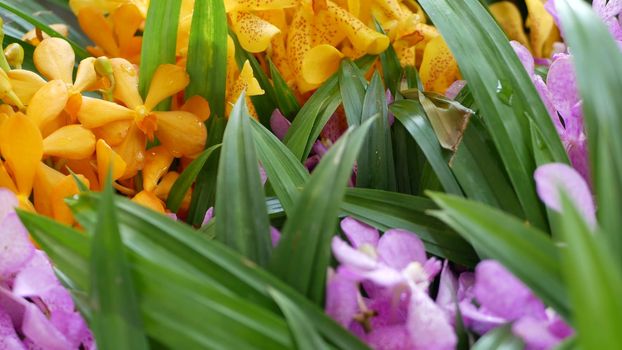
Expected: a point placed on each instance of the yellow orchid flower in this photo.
(55, 59)
(35, 36)
(149, 200)
(164, 188)
(108, 6)
(438, 69)
(182, 133)
(114, 35)
(542, 30)
(245, 81)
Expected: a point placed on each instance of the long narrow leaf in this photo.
(116, 321)
(240, 205)
(303, 254)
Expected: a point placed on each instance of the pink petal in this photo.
(351, 257)
(454, 89)
(550, 178)
(503, 295)
(341, 297)
(209, 214)
(547, 100)
(524, 56)
(535, 334)
(427, 324)
(36, 278)
(394, 337)
(279, 124)
(478, 320)
(8, 202)
(15, 246)
(275, 236)
(466, 281)
(41, 331)
(562, 83)
(398, 248)
(359, 233)
(262, 175)
(8, 338)
(447, 291)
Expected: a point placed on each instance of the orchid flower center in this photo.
(369, 250)
(415, 273)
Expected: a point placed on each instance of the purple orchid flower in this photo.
(393, 270)
(491, 297)
(36, 311)
(608, 10)
(561, 98)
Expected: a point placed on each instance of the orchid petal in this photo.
(86, 76)
(47, 103)
(535, 333)
(351, 257)
(41, 331)
(15, 245)
(553, 177)
(95, 112)
(67, 187)
(182, 133)
(438, 69)
(509, 18)
(107, 158)
(126, 82)
(341, 297)
(198, 106)
(149, 200)
(253, 32)
(25, 83)
(427, 324)
(157, 162)
(35, 278)
(22, 149)
(524, 56)
(320, 63)
(70, 142)
(113, 133)
(503, 295)
(54, 58)
(562, 82)
(132, 151)
(95, 26)
(168, 79)
(8, 337)
(47, 178)
(398, 248)
(359, 233)
(542, 30)
(279, 124)
(361, 36)
(126, 21)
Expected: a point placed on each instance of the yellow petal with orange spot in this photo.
(47, 103)
(107, 158)
(167, 80)
(126, 82)
(149, 200)
(132, 151)
(157, 161)
(232, 66)
(95, 112)
(5, 179)
(182, 133)
(71, 142)
(438, 68)
(25, 83)
(320, 63)
(67, 187)
(86, 75)
(86, 168)
(325, 29)
(509, 18)
(361, 36)
(198, 106)
(246, 82)
(47, 178)
(391, 8)
(22, 148)
(54, 58)
(95, 26)
(257, 5)
(253, 32)
(542, 30)
(299, 42)
(113, 133)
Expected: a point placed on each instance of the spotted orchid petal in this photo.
(55, 58)
(261, 5)
(253, 32)
(555, 177)
(70, 142)
(361, 36)
(438, 69)
(182, 133)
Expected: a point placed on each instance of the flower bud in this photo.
(14, 55)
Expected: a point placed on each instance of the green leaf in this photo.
(240, 202)
(302, 330)
(204, 194)
(303, 254)
(375, 168)
(499, 338)
(387, 210)
(207, 54)
(116, 322)
(187, 177)
(527, 252)
(598, 65)
(411, 115)
(31, 13)
(175, 245)
(352, 85)
(489, 64)
(594, 281)
(285, 98)
(408, 159)
(159, 41)
(287, 175)
(391, 67)
(312, 117)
